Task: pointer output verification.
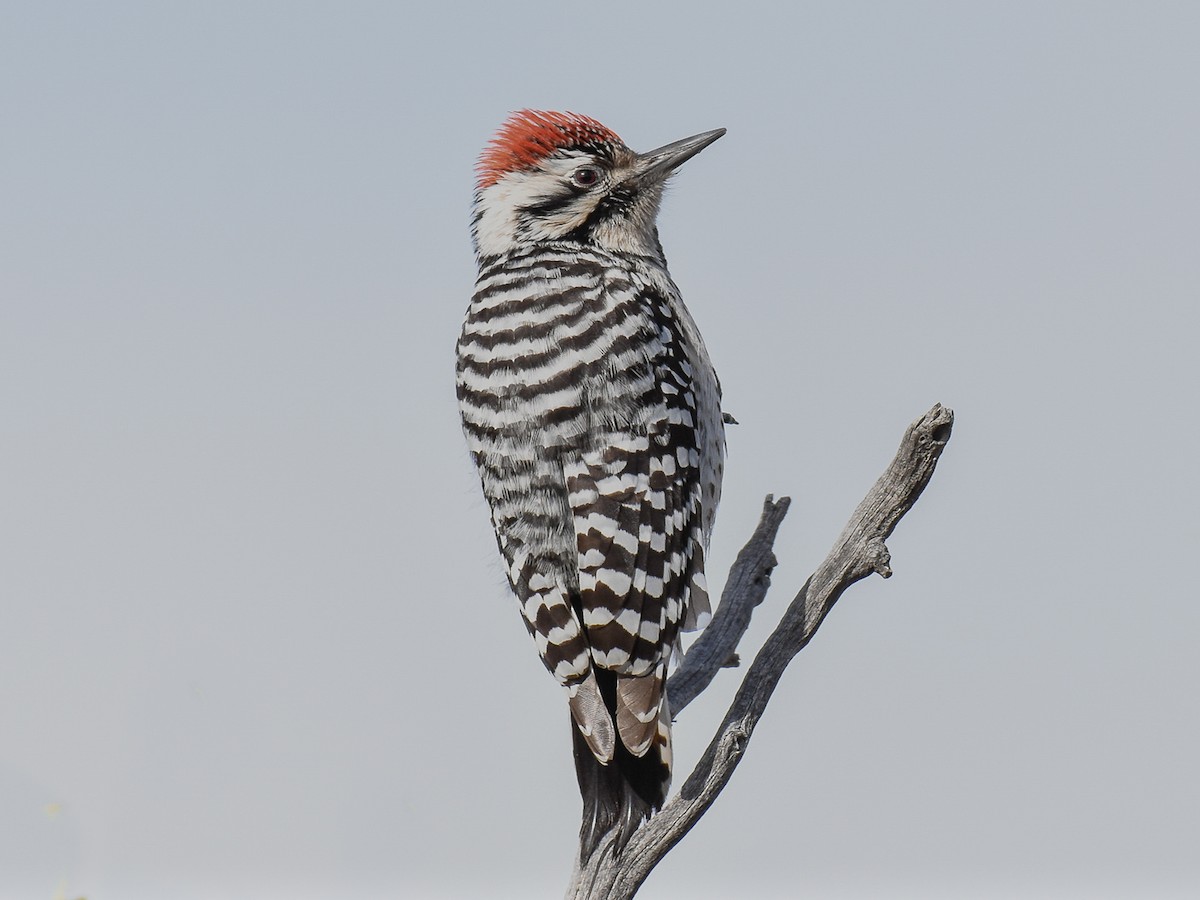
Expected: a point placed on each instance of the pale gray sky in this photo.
(254, 640)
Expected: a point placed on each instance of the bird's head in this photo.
(554, 176)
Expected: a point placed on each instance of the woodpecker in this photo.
(593, 414)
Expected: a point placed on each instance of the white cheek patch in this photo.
(496, 220)
(502, 219)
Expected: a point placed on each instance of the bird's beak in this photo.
(658, 164)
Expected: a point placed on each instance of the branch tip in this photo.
(940, 423)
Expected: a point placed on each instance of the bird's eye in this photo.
(586, 176)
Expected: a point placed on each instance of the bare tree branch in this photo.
(858, 552)
(746, 588)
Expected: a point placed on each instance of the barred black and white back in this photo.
(593, 413)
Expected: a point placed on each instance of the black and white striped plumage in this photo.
(593, 414)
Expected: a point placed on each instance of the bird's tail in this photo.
(621, 794)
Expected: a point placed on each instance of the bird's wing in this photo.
(554, 624)
(636, 503)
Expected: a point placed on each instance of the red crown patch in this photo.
(529, 136)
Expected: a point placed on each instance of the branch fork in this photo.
(860, 550)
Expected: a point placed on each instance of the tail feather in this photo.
(620, 795)
(639, 709)
(591, 717)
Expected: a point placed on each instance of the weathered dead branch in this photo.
(857, 553)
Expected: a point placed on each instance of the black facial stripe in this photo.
(553, 204)
(616, 203)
